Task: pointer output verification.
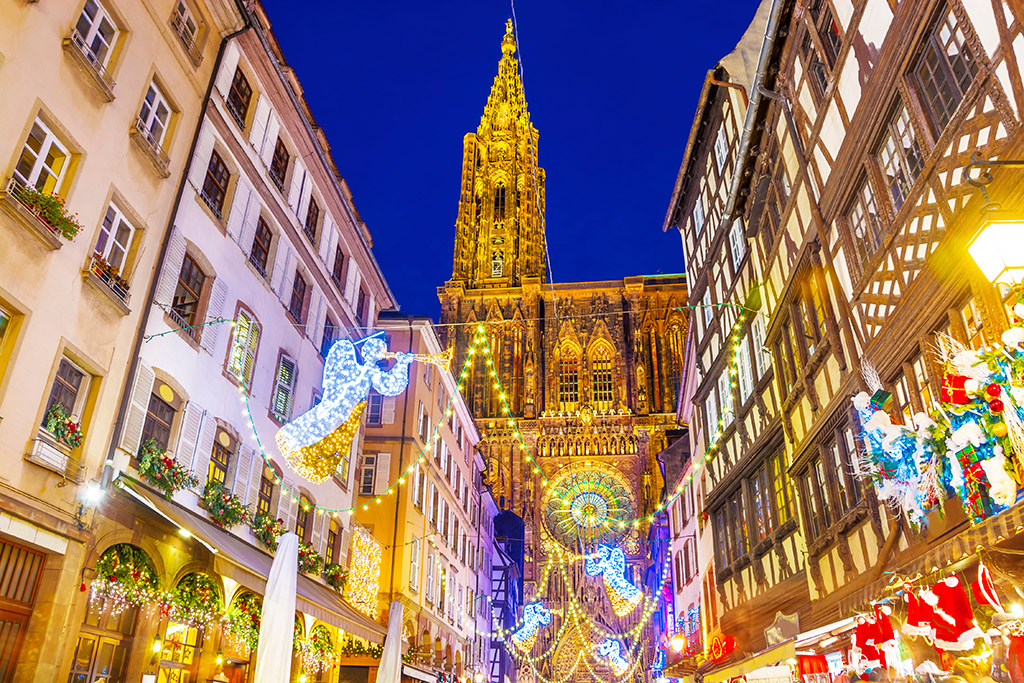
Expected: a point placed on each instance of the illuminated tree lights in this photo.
(364, 562)
(314, 442)
(535, 615)
(611, 563)
(612, 651)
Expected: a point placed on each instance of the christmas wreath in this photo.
(59, 423)
(336, 576)
(243, 620)
(195, 600)
(310, 561)
(266, 529)
(125, 575)
(161, 471)
(970, 445)
(225, 508)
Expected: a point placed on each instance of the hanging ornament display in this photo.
(314, 442)
(610, 562)
(535, 615)
(971, 444)
(611, 650)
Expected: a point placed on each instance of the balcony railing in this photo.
(188, 40)
(278, 180)
(151, 147)
(78, 48)
(111, 278)
(236, 111)
(181, 322)
(14, 195)
(45, 452)
(257, 265)
(211, 203)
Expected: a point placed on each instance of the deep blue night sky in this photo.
(612, 88)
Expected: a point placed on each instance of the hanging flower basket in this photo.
(226, 509)
(266, 529)
(162, 472)
(243, 620)
(318, 653)
(336, 576)
(50, 208)
(64, 429)
(195, 600)
(310, 561)
(125, 576)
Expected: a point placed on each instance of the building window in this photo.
(295, 304)
(185, 25)
(312, 220)
(828, 29)
(865, 222)
(329, 337)
(104, 644)
(244, 347)
(265, 496)
(115, 239)
(569, 380)
(178, 657)
(818, 497)
(812, 307)
(304, 518)
(185, 305)
(43, 161)
(374, 409)
(422, 424)
(367, 474)
(709, 309)
(725, 393)
(361, 307)
(698, 215)
(417, 488)
(784, 500)
(260, 252)
(761, 493)
(338, 269)
(279, 163)
(215, 184)
(778, 189)
(945, 70)
(744, 369)
(68, 388)
(721, 149)
(711, 413)
(737, 244)
(345, 466)
(157, 425)
(899, 156)
(817, 70)
(284, 388)
(154, 116)
(603, 379)
(220, 460)
(921, 378)
(238, 97)
(429, 592)
(970, 316)
(414, 564)
(95, 33)
(499, 202)
(333, 541)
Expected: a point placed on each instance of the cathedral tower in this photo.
(499, 238)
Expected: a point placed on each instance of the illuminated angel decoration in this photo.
(611, 563)
(612, 650)
(535, 615)
(314, 442)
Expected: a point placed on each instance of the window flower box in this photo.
(41, 213)
(108, 281)
(226, 510)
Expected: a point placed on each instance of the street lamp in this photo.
(677, 643)
(998, 249)
(479, 677)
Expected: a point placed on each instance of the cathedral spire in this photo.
(499, 237)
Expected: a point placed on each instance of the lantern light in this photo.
(998, 250)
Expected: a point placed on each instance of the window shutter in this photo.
(321, 320)
(430, 503)
(240, 207)
(133, 424)
(298, 182)
(289, 506)
(326, 238)
(307, 192)
(351, 281)
(227, 68)
(273, 130)
(240, 485)
(248, 229)
(414, 564)
(257, 135)
(318, 527)
(284, 388)
(255, 474)
(191, 421)
(312, 313)
(280, 264)
(288, 281)
(382, 477)
(172, 268)
(201, 158)
(205, 447)
(388, 410)
(211, 333)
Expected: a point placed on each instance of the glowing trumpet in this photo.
(442, 360)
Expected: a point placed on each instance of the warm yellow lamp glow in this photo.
(677, 643)
(998, 249)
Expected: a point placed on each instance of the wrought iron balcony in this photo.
(108, 280)
(188, 39)
(151, 147)
(79, 50)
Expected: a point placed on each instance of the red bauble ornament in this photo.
(993, 390)
(996, 405)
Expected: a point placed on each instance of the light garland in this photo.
(364, 584)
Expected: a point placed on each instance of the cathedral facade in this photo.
(590, 371)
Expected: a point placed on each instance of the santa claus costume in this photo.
(955, 626)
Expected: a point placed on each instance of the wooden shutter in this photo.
(273, 131)
(312, 313)
(201, 159)
(249, 359)
(256, 466)
(249, 221)
(190, 422)
(326, 237)
(171, 268)
(289, 506)
(351, 282)
(227, 68)
(288, 280)
(240, 207)
(284, 388)
(211, 333)
(382, 477)
(204, 448)
(318, 526)
(298, 182)
(136, 419)
(388, 410)
(240, 485)
(280, 265)
(257, 134)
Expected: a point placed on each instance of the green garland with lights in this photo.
(195, 600)
(243, 620)
(226, 509)
(161, 471)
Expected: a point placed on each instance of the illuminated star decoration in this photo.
(535, 615)
(611, 562)
(314, 442)
(612, 650)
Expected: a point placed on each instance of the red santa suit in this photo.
(955, 627)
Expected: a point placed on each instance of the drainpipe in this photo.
(735, 86)
(126, 390)
(401, 466)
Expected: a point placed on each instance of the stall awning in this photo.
(250, 566)
(771, 656)
(413, 672)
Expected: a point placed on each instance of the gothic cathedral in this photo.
(591, 370)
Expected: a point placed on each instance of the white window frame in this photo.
(699, 216)
(744, 369)
(737, 244)
(282, 387)
(429, 587)
(417, 488)
(50, 140)
(368, 464)
(180, 18)
(113, 219)
(414, 564)
(149, 118)
(725, 392)
(709, 312)
(764, 359)
(711, 413)
(244, 350)
(721, 149)
(87, 40)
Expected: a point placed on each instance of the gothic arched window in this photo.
(499, 202)
(569, 380)
(602, 378)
